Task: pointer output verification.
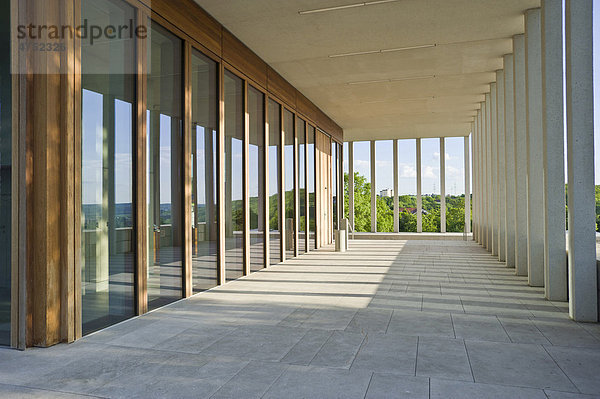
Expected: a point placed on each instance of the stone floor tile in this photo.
(385, 386)
(339, 351)
(582, 366)
(485, 328)
(523, 365)
(323, 384)
(443, 358)
(385, 353)
(445, 389)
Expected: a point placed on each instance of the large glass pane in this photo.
(312, 212)
(274, 182)
(107, 218)
(256, 177)
(164, 165)
(334, 180)
(455, 184)
(301, 133)
(430, 174)
(362, 186)
(384, 181)
(5, 173)
(204, 167)
(288, 127)
(407, 185)
(346, 166)
(234, 199)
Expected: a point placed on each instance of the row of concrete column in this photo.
(373, 155)
(518, 158)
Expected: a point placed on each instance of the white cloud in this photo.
(436, 156)
(407, 170)
(429, 172)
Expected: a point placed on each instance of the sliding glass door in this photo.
(164, 167)
(205, 231)
(234, 198)
(256, 177)
(107, 137)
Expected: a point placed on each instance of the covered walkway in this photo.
(414, 319)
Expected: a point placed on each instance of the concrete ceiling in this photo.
(372, 96)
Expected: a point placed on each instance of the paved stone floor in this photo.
(388, 319)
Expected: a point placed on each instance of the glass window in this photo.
(274, 182)
(310, 181)
(164, 165)
(334, 181)
(362, 186)
(346, 166)
(205, 232)
(234, 198)
(107, 218)
(407, 185)
(455, 184)
(301, 133)
(256, 177)
(384, 182)
(288, 127)
(430, 174)
(5, 173)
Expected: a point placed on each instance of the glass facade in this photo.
(407, 185)
(205, 232)
(334, 182)
(274, 182)
(107, 161)
(164, 167)
(5, 173)
(384, 185)
(234, 188)
(289, 176)
(362, 186)
(430, 172)
(455, 184)
(256, 177)
(301, 134)
(310, 181)
(215, 106)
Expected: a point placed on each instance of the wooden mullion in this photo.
(221, 181)
(187, 183)
(141, 138)
(267, 221)
(246, 180)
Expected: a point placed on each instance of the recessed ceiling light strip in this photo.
(388, 50)
(391, 80)
(346, 6)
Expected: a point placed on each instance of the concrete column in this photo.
(419, 199)
(583, 274)
(351, 183)
(535, 155)
(555, 264)
(481, 176)
(373, 191)
(509, 155)
(467, 157)
(520, 155)
(396, 204)
(442, 185)
(494, 167)
(474, 175)
(501, 168)
(488, 173)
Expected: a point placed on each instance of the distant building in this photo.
(388, 192)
